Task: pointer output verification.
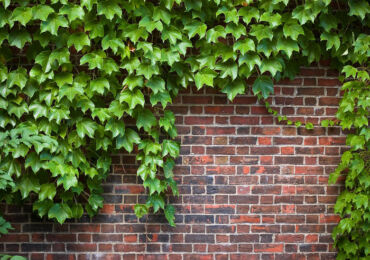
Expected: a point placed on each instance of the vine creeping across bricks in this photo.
(73, 72)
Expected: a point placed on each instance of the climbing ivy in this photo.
(80, 80)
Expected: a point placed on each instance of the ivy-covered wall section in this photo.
(71, 74)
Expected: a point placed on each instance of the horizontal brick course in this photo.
(250, 188)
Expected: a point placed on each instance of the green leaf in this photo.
(171, 147)
(86, 127)
(132, 98)
(73, 12)
(359, 8)
(309, 126)
(19, 38)
(127, 140)
(169, 213)
(261, 32)
(244, 45)
(133, 82)
(272, 65)
(33, 161)
(95, 201)
(53, 23)
(60, 211)
(22, 15)
(140, 210)
(145, 119)
(163, 97)
(168, 168)
(109, 9)
(27, 184)
(154, 185)
(99, 85)
(94, 59)
(273, 19)
(156, 84)
(116, 127)
(234, 88)
(248, 13)
(263, 85)
(68, 181)
(17, 78)
(332, 40)
(292, 29)
(63, 78)
(41, 12)
(47, 190)
(204, 77)
(196, 28)
(78, 40)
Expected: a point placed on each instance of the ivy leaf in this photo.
(196, 27)
(234, 88)
(292, 29)
(133, 82)
(171, 147)
(244, 45)
(303, 14)
(18, 78)
(63, 78)
(19, 38)
(27, 184)
(22, 15)
(102, 113)
(168, 168)
(116, 127)
(273, 19)
(359, 8)
(86, 127)
(169, 213)
(109, 9)
(41, 12)
(53, 23)
(332, 40)
(287, 45)
(60, 211)
(261, 32)
(145, 119)
(248, 13)
(99, 85)
(42, 207)
(147, 70)
(73, 12)
(272, 65)
(132, 98)
(204, 77)
(156, 84)
(163, 97)
(95, 201)
(33, 161)
(154, 185)
(47, 190)
(127, 140)
(263, 85)
(79, 40)
(68, 180)
(94, 59)
(140, 210)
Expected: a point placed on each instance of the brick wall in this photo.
(251, 188)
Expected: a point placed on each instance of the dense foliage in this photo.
(74, 73)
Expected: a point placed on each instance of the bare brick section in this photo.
(250, 187)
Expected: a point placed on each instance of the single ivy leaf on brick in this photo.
(60, 211)
(263, 85)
